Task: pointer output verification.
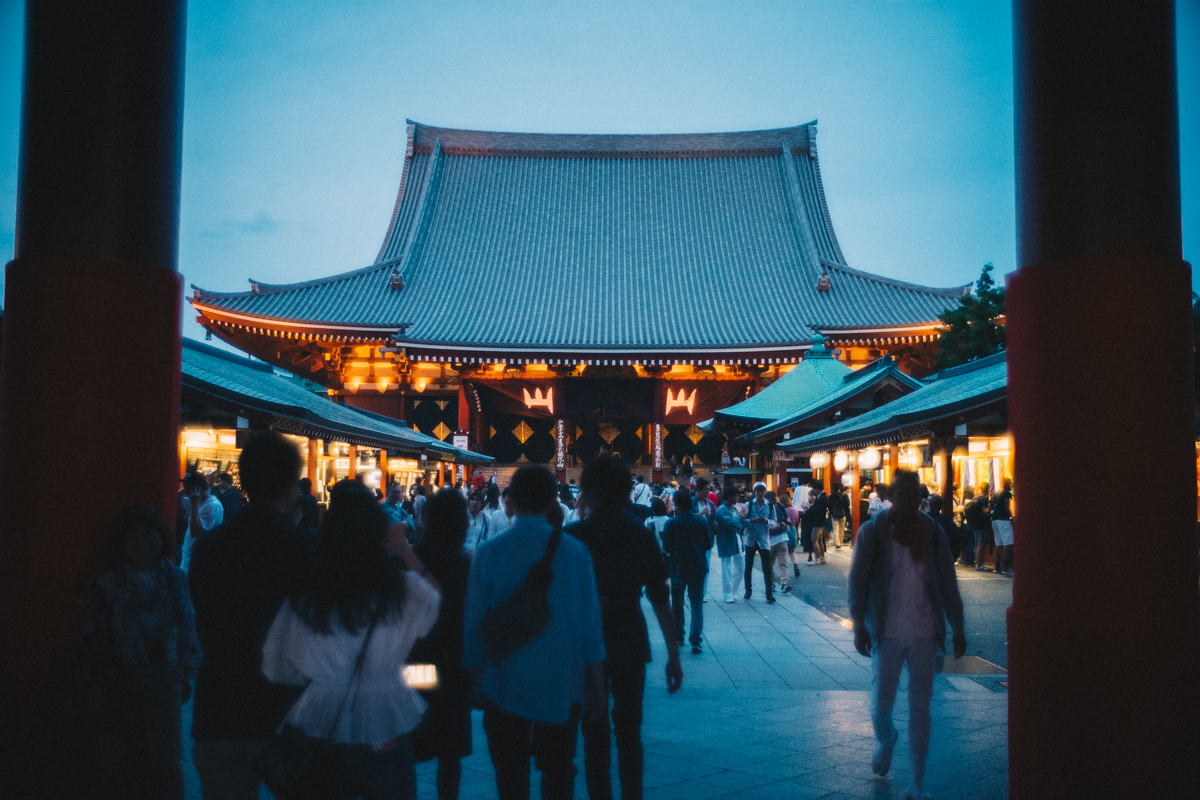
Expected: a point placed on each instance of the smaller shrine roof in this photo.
(951, 392)
(813, 378)
(236, 380)
(852, 384)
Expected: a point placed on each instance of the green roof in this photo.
(855, 383)
(217, 374)
(603, 244)
(951, 392)
(814, 377)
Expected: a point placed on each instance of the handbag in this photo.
(290, 766)
(515, 622)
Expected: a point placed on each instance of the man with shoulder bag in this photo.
(533, 641)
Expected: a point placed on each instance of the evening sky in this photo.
(295, 113)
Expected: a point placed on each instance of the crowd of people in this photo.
(526, 602)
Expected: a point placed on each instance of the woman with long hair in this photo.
(344, 635)
(445, 730)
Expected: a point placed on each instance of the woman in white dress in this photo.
(366, 582)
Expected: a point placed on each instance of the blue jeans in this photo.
(695, 590)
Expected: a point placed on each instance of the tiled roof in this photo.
(962, 388)
(811, 379)
(850, 385)
(602, 243)
(255, 385)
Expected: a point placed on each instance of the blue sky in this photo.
(294, 114)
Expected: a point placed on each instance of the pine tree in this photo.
(973, 329)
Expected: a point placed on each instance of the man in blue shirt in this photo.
(534, 697)
(687, 538)
(393, 505)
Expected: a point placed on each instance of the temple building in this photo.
(545, 297)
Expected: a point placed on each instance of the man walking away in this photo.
(687, 539)
(977, 517)
(1000, 512)
(816, 514)
(640, 496)
(310, 513)
(839, 510)
(757, 539)
(727, 530)
(627, 558)
(239, 578)
(903, 591)
(230, 497)
(532, 697)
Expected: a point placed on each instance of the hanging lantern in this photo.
(869, 459)
(818, 460)
(841, 460)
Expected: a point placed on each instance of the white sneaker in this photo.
(882, 762)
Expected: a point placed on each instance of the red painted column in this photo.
(91, 334)
(1104, 630)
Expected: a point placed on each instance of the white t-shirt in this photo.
(478, 530)
(211, 514)
(910, 611)
(499, 522)
(640, 494)
(657, 524)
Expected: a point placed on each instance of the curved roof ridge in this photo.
(949, 291)
(426, 135)
(276, 288)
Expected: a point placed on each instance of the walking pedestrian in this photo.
(343, 632)
(978, 518)
(445, 730)
(310, 513)
(627, 561)
(478, 521)
(839, 512)
(533, 696)
(727, 531)
(1001, 517)
(903, 591)
(229, 495)
(394, 508)
(969, 533)
(139, 644)
(817, 514)
(777, 530)
(206, 514)
(658, 519)
(239, 577)
(757, 539)
(687, 539)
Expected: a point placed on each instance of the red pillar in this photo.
(1103, 656)
(91, 329)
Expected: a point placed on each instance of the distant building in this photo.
(547, 295)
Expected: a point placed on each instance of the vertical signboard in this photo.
(560, 448)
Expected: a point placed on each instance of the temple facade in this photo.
(546, 297)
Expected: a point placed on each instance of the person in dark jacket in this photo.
(627, 561)
(310, 515)
(977, 517)
(687, 538)
(1001, 516)
(240, 575)
(816, 515)
(839, 514)
(445, 730)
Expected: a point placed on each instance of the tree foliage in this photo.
(973, 330)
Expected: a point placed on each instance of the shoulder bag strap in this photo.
(358, 663)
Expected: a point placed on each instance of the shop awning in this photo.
(251, 388)
(958, 393)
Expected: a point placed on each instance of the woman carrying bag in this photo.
(345, 635)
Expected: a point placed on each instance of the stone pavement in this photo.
(777, 707)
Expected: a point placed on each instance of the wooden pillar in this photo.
(893, 463)
(314, 449)
(353, 461)
(384, 477)
(441, 474)
(855, 505)
(947, 487)
(827, 478)
(1098, 228)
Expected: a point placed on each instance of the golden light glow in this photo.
(420, 676)
(841, 460)
(869, 459)
(818, 460)
(420, 383)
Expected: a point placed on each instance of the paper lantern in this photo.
(869, 459)
(841, 460)
(818, 460)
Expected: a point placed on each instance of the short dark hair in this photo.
(532, 489)
(683, 500)
(701, 485)
(130, 518)
(606, 478)
(658, 508)
(195, 480)
(446, 521)
(731, 493)
(269, 466)
(305, 486)
(225, 476)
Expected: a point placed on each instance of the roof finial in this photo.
(255, 288)
(396, 281)
(823, 282)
